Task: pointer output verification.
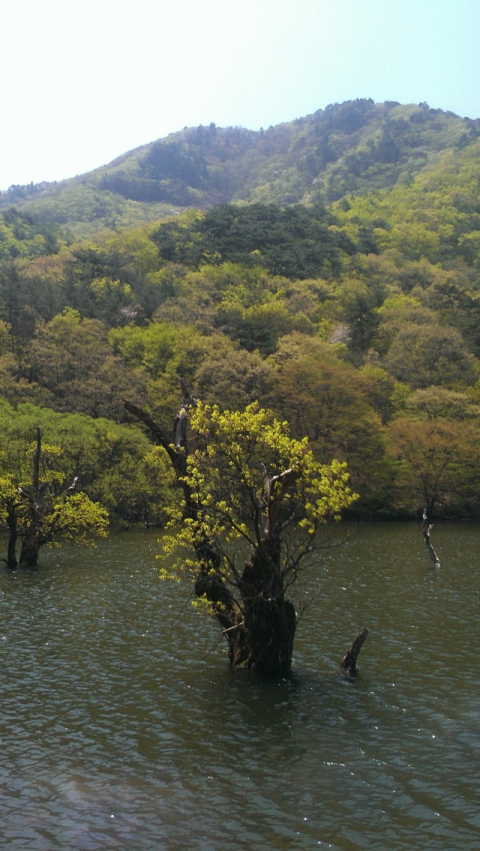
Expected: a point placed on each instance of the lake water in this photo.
(115, 734)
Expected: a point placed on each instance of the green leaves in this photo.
(42, 509)
(75, 518)
(297, 242)
(250, 480)
(116, 465)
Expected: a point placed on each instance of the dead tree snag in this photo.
(349, 661)
(426, 530)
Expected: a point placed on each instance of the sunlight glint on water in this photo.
(114, 734)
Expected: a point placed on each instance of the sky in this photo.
(84, 82)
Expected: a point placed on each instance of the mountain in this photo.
(328, 268)
(351, 148)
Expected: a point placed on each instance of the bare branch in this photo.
(349, 661)
(154, 428)
(426, 529)
(224, 632)
(307, 604)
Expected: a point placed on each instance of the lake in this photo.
(123, 728)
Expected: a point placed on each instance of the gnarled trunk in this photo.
(260, 630)
(34, 535)
(270, 619)
(29, 550)
(270, 625)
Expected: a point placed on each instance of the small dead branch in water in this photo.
(349, 661)
(426, 529)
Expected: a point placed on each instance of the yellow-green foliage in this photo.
(9, 495)
(435, 217)
(67, 516)
(245, 469)
(77, 519)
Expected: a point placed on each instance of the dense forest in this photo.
(354, 147)
(327, 268)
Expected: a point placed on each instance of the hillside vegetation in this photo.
(328, 268)
(352, 147)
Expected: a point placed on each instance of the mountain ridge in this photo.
(351, 148)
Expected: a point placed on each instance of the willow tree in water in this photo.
(247, 487)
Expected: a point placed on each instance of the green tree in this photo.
(72, 361)
(360, 305)
(422, 355)
(44, 509)
(296, 242)
(239, 376)
(247, 486)
(397, 312)
(115, 463)
(435, 441)
(324, 397)
(258, 328)
(164, 351)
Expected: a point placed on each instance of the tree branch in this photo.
(426, 529)
(155, 430)
(349, 661)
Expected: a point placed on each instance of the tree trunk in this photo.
(12, 562)
(260, 627)
(34, 536)
(29, 550)
(261, 630)
(270, 625)
(270, 619)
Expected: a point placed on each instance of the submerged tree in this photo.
(45, 509)
(247, 487)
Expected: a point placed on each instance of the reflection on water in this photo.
(114, 734)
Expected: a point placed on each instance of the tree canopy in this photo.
(247, 486)
(40, 507)
(345, 283)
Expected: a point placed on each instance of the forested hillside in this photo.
(352, 147)
(343, 293)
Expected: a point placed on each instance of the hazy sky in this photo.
(83, 82)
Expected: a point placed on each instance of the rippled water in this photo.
(114, 733)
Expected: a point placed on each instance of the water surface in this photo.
(114, 733)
